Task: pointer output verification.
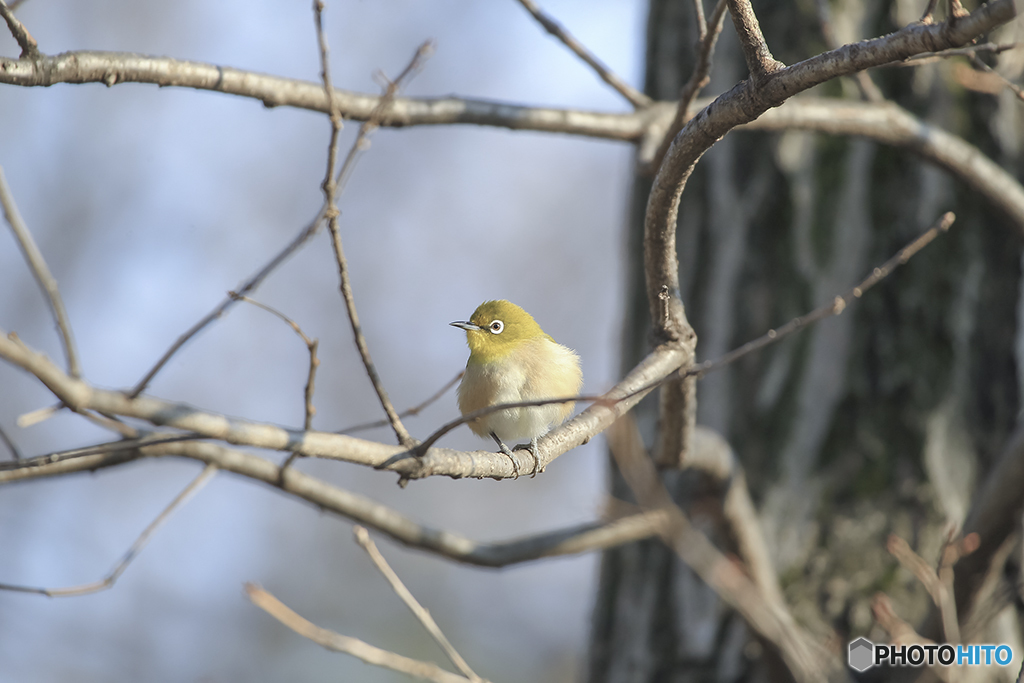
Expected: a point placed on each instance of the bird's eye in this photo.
(497, 326)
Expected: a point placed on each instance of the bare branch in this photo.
(942, 594)
(15, 453)
(927, 57)
(635, 97)
(415, 410)
(868, 90)
(712, 455)
(28, 45)
(807, 660)
(42, 273)
(759, 58)
(421, 613)
(361, 143)
(249, 286)
(994, 517)
(902, 633)
(108, 582)
(748, 100)
(835, 307)
(438, 461)
(649, 374)
(890, 124)
(976, 61)
(314, 362)
(351, 646)
(113, 68)
(568, 541)
(698, 79)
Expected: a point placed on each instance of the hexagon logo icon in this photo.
(862, 654)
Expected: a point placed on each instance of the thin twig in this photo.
(835, 308)
(150, 439)
(572, 540)
(1017, 90)
(29, 47)
(902, 633)
(941, 595)
(807, 660)
(868, 90)
(323, 637)
(994, 48)
(15, 453)
(707, 39)
(314, 362)
(250, 285)
(42, 273)
(420, 612)
(662, 363)
(415, 410)
(361, 143)
(839, 303)
(108, 582)
(635, 97)
(38, 415)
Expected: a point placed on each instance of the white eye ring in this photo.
(496, 327)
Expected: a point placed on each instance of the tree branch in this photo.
(110, 579)
(370, 654)
(635, 97)
(361, 143)
(568, 541)
(406, 596)
(28, 45)
(112, 68)
(79, 395)
(42, 273)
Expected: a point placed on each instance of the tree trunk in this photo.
(883, 420)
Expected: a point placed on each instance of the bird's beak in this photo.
(465, 325)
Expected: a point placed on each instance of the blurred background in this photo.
(150, 205)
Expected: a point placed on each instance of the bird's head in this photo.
(496, 329)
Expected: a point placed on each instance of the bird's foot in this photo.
(505, 449)
(532, 447)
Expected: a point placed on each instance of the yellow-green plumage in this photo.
(517, 362)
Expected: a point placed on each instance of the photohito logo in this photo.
(863, 654)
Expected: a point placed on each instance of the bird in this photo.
(512, 360)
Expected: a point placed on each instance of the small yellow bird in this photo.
(512, 360)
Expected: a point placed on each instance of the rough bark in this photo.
(883, 420)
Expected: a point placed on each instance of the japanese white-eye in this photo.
(512, 360)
